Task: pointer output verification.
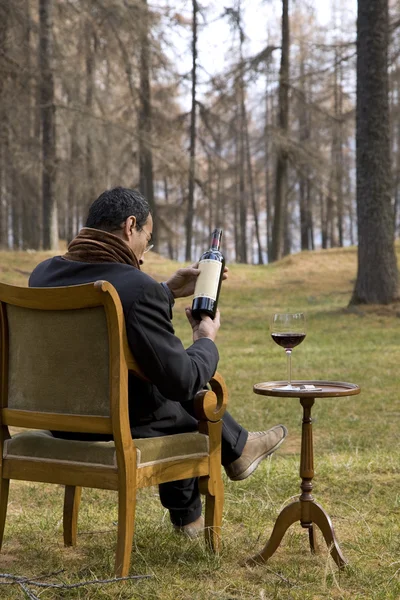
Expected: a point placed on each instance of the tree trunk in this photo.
(242, 151)
(29, 194)
(268, 208)
(145, 123)
(337, 145)
(324, 224)
(377, 276)
(47, 109)
(4, 157)
(304, 135)
(252, 189)
(170, 237)
(90, 57)
(190, 206)
(282, 158)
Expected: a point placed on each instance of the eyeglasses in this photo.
(148, 248)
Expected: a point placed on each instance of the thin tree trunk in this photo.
(47, 108)
(190, 205)
(268, 208)
(170, 237)
(252, 190)
(30, 209)
(304, 135)
(145, 123)
(310, 224)
(324, 223)
(90, 53)
(337, 145)
(242, 153)
(282, 158)
(4, 157)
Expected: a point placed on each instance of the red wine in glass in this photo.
(288, 330)
(288, 339)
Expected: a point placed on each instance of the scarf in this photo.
(97, 246)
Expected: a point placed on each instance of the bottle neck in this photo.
(216, 239)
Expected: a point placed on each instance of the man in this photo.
(112, 247)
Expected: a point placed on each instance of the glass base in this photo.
(288, 388)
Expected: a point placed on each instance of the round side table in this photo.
(305, 509)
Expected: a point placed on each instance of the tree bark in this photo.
(252, 191)
(190, 206)
(145, 123)
(377, 276)
(90, 65)
(47, 109)
(337, 145)
(268, 207)
(282, 158)
(304, 180)
(242, 152)
(4, 157)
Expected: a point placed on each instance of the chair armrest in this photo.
(210, 405)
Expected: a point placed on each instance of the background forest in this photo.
(93, 95)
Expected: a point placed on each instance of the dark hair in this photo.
(112, 207)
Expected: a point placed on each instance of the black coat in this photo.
(176, 373)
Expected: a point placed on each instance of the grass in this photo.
(356, 445)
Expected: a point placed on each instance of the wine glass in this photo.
(288, 330)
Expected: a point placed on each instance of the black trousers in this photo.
(182, 498)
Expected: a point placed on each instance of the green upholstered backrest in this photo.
(58, 360)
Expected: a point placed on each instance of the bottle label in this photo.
(208, 279)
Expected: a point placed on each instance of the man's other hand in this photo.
(206, 328)
(182, 283)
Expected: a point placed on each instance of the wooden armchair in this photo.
(64, 366)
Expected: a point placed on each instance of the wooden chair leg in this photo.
(213, 488)
(213, 518)
(126, 527)
(72, 498)
(4, 487)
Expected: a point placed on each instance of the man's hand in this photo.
(182, 282)
(206, 328)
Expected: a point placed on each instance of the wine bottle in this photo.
(208, 284)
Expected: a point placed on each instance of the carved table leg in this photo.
(312, 538)
(305, 510)
(290, 514)
(307, 471)
(320, 518)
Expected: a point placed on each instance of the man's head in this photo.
(125, 213)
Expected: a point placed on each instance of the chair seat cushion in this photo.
(39, 444)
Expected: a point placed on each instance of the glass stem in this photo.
(289, 365)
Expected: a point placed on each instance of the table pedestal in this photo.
(305, 509)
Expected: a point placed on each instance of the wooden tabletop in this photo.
(325, 389)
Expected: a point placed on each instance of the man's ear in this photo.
(129, 225)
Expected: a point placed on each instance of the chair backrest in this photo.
(63, 358)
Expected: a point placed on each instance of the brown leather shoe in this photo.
(192, 530)
(259, 445)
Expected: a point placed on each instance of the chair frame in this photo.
(126, 477)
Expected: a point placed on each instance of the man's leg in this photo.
(241, 453)
(182, 499)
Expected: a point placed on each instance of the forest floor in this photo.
(356, 448)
